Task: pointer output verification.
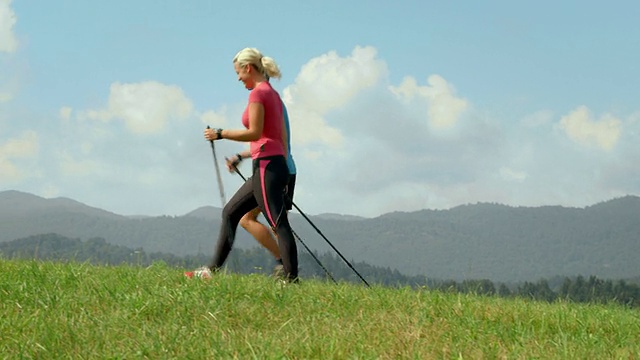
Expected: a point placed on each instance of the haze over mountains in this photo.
(481, 241)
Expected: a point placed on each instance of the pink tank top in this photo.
(270, 142)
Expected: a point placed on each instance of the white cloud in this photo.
(9, 172)
(309, 127)
(537, 119)
(8, 41)
(512, 175)
(363, 142)
(634, 120)
(444, 108)
(86, 147)
(18, 148)
(5, 97)
(145, 107)
(325, 83)
(25, 146)
(329, 81)
(70, 166)
(65, 113)
(49, 191)
(215, 119)
(392, 161)
(581, 128)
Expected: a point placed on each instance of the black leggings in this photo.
(265, 189)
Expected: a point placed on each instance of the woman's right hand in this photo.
(230, 166)
(232, 162)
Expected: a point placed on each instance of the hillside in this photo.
(18, 204)
(55, 310)
(491, 241)
(23, 215)
(502, 243)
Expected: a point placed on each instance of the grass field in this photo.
(76, 310)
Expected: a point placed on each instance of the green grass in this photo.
(71, 310)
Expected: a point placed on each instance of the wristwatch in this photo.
(238, 159)
(219, 134)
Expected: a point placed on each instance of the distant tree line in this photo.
(257, 260)
(578, 289)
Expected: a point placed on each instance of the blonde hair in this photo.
(252, 56)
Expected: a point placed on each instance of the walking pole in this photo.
(314, 257)
(330, 244)
(215, 160)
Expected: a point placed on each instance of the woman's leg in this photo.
(272, 175)
(260, 232)
(291, 186)
(242, 202)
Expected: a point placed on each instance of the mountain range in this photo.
(474, 241)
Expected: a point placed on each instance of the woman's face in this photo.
(244, 75)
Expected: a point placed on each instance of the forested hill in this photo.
(504, 243)
(16, 204)
(490, 241)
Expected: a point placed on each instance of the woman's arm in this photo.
(253, 133)
(243, 154)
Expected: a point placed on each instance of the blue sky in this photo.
(395, 106)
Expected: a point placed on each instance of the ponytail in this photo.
(252, 56)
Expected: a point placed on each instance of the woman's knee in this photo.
(245, 221)
(249, 218)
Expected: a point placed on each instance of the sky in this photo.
(394, 106)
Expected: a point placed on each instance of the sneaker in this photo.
(202, 273)
(278, 271)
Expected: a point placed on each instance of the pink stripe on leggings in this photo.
(263, 168)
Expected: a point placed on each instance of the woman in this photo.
(250, 220)
(263, 122)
